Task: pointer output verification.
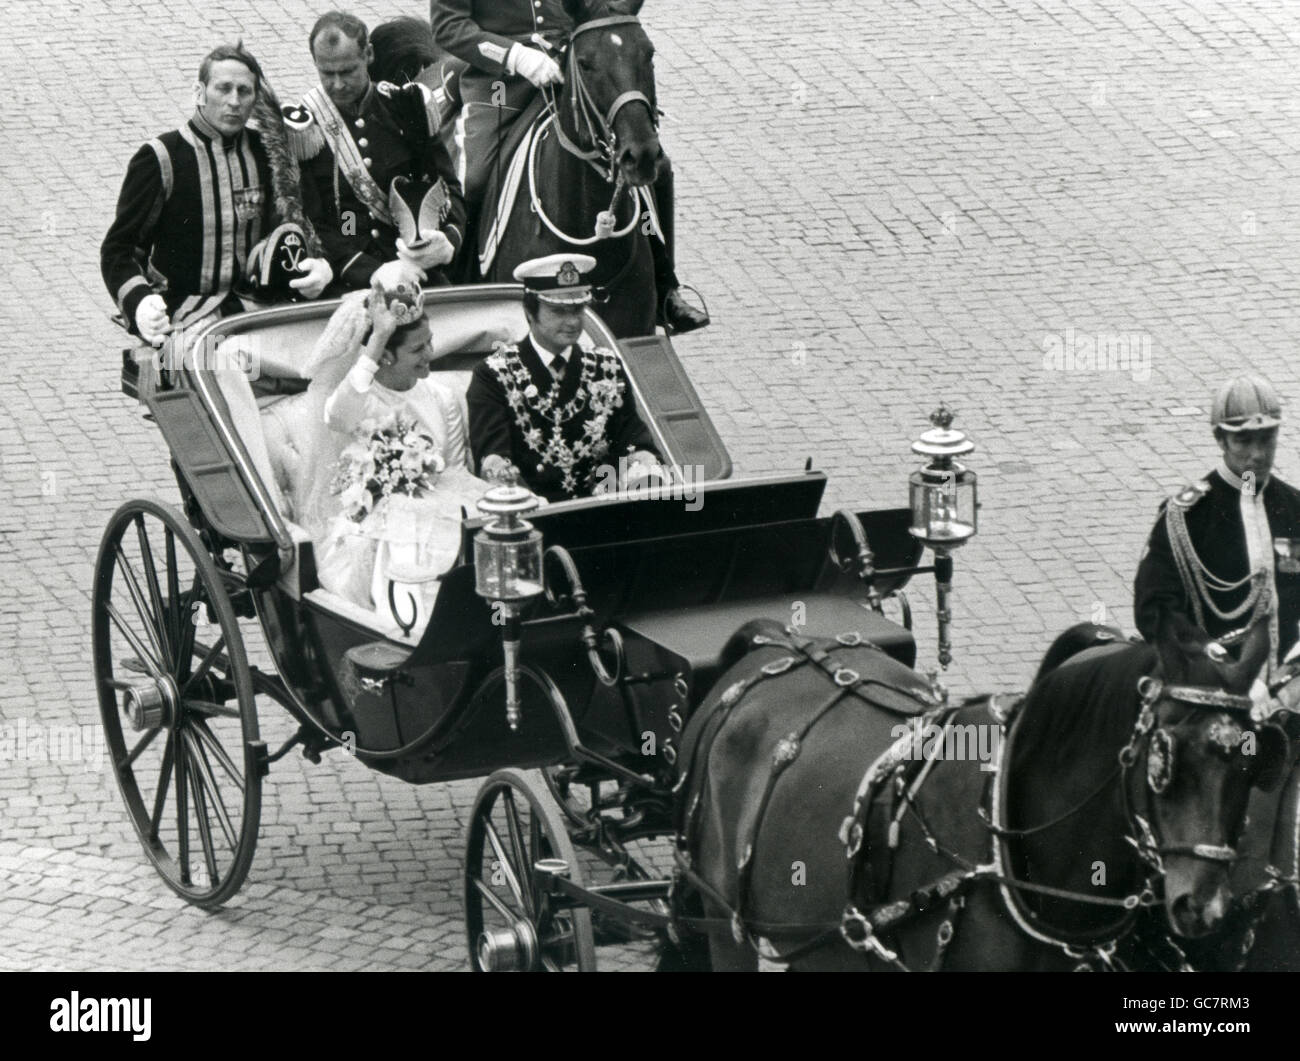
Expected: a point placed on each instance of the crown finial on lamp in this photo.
(942, 417)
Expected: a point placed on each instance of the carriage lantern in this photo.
(508, 570)
(944, 506)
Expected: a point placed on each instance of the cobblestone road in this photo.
(884, 210)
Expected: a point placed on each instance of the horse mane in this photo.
(1084, 703)
(1080, 702)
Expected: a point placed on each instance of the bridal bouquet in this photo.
(392, 458)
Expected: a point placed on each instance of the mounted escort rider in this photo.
(508, 46)
(377, 181)
(1228, 547)
(196, 202)
(547, 410)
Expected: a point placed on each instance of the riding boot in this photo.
(674, 313)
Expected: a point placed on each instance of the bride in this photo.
(370, 381)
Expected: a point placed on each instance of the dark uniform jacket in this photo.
(167, 239)
(557, 433)
(395, 129)
(480, 32)
(1215, 527)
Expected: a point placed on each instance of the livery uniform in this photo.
(348, 164)
(1233, 532)
(557, 432)
(481, 32)
(193, 204)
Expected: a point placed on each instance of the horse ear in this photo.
(1273, 751)
(1177, 640)
(583, 10)
(1239, 676)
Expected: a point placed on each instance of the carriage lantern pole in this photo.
(508, 571)
(944, 504)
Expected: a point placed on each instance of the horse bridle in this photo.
(1160, 766)
(599, 127)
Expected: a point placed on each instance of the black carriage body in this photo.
(675, 576)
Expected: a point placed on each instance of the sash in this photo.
(347, 156)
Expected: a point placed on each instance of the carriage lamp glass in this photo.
(508, 550)
(942, 494)
(508, 571)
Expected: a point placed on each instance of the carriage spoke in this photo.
(204, 664)
(141, 745)
(150, 622)
(164, 782)
(182, 810)
(206, 708)
(173, 591)
(208, 779)
(151, 579)
(151, 663)
(521, 852)
(185, 655)
(494, 901)
(205, 736)
(201, 812)
(507, 870)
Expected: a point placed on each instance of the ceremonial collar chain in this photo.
(599, 388)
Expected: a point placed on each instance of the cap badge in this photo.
(568, 275)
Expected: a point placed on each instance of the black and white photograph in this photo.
(652, 486)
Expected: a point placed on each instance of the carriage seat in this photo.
(458, 330)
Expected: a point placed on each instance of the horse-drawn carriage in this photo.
(710, 662)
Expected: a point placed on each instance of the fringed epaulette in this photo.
(304, 135)
(269, 121)
(1189, 495)
(414, 99)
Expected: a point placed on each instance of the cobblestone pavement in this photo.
(885, 210)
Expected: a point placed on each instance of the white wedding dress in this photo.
(390, 562)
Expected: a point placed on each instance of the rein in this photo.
(599, 127)
(599, 131)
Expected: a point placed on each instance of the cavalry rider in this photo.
(353, 138)
(1226, 548)
(554, 413)
(195, 202)
(507, 44)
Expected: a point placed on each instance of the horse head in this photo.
(610, 103)
(1195, 755)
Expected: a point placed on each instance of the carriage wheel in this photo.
(177, 702)
(510, 924)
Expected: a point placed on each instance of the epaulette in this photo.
(305, 136)
(416, 98)
(1190, 494)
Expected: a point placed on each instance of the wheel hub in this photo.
(150, 703)
(509, 950)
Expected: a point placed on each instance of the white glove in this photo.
(643, 469)
(151, 319)
(438, 251)
(319, 275)
(533, 64)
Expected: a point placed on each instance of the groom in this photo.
(560, 415)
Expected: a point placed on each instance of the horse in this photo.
(1262, 931)
(825, 821)
(588, 158)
